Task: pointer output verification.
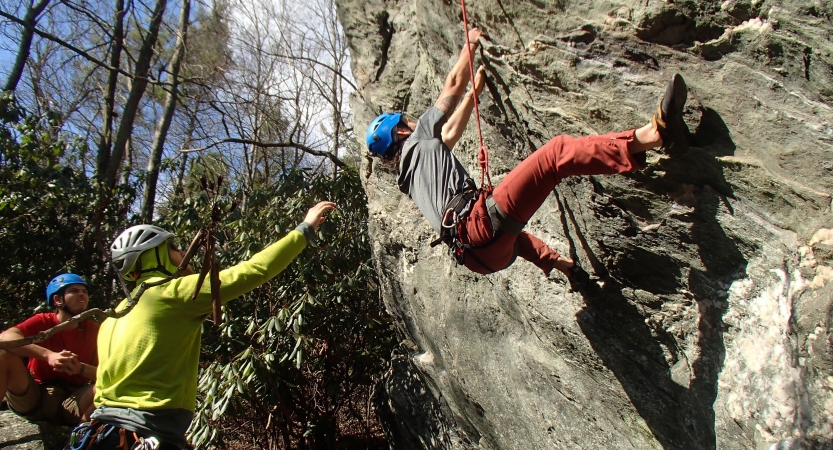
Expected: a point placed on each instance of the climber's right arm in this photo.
(456, 124)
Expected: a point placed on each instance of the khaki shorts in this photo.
(49, 403)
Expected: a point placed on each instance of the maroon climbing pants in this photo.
(526, 187)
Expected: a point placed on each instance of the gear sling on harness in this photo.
(452, 222)
(456, 210)
(98, 435)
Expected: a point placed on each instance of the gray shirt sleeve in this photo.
(307, 230)
(430, 125)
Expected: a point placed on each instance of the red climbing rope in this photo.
(483, 153)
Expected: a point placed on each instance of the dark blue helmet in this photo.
(380, 133)
(60, 282)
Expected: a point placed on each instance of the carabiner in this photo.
(146, 444)
(455, 221)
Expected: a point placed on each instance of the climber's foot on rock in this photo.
(575, 274)
(668, 120)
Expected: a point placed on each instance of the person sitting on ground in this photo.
(484, 228)
(55, 386)
(147, 380)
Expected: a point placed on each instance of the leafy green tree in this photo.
(46, 218)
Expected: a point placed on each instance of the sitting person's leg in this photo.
(53, 404)
(37, 402)
(79, 405)
(15, 382)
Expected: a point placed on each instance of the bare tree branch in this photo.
(107, 109)
(137, 91)
(162, 128)
(80, 52)
(332, 157)
(92, 17)
(28, 24)
(332, 69)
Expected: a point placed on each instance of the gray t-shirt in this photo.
(428, 172)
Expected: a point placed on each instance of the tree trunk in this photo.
(167, 116)
(128, 156)
(107, 112)
(180, 181)
(131, 107)
(26, 36)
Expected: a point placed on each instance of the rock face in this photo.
(709, 322)
(18, 434)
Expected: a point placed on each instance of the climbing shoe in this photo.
(578, 277)
(668, 119)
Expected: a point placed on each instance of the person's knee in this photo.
(88, 397)
(88, 408)
(8, 360)
(86, 402)
(15, 371)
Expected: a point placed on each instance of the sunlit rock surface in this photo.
(18, 434)
(709, 325)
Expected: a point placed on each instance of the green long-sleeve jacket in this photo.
(148, 359)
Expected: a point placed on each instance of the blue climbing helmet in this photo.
(61, 281)
(380, 133)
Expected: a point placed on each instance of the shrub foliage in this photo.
(51, 220)
(293, 362)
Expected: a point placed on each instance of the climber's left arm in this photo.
(456, 124)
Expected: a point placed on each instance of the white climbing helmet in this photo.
(132, 242)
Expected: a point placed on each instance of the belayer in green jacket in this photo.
(148, 359)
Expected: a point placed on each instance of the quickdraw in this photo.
(456, 210)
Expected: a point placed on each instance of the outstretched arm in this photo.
(456, 124)
(458, 77)
(247, 275)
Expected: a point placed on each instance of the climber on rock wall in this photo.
(484, 227)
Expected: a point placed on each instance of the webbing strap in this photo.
(483, 153)
(500, 220)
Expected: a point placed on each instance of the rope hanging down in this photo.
(483, 153)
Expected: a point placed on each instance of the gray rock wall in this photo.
(16, 433)
(708, 325)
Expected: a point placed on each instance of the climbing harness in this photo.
(456, 210)
(483, 153)
(95, 436)
(452, 222)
